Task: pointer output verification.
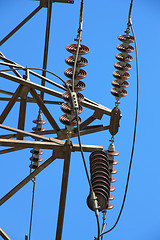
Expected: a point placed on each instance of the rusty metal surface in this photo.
(63, 190)
(20, 25)
(4, 235)
(26, 180)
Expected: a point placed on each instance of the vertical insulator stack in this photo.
(100, 180)
(111, 153)
(35, 159)
(69, 118)
(122, 66)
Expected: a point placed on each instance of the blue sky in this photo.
(104, 21)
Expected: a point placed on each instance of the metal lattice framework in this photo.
(38, 139)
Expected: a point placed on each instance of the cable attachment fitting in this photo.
(114, 121)
(94, 203)
(74, 101)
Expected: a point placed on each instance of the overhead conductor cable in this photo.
(135, 126)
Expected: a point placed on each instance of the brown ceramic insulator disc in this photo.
(39, 151)
(96, 168)
(120, 57)
(98, 176)
(104, 192)
(99, 165)
(98, 152)
(104, 172)
(105, 187)
(98, 173)
(116, 84)
(79, 87)
(122, 48)
(101, 178)
(110, 206)
(39, 159)
(102, 201)
(66, 96)
(98, 159)
(81, 63)
(127, 39)
(80, 75)
(72, 48)
(66, 109)
(115, 93)
(98, 156)
(112, 188)
(39, 122)
(113, 179)
(115, 162)
(117, 75)
(34, 166)
(114, 171)
(114, 153)
(101, 182)
(35, 129)
(111, 197)
(118, 66)
(65, 120)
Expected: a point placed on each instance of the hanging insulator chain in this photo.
(36, 152)
(122, 66)
(111, 153)
(74, 99)
(100, 180)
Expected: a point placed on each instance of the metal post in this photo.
(63, 190)
(45, 58)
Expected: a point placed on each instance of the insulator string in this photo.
(134, 136)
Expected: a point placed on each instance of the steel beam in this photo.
(10, 104)
(11, 67)
(44, 109)
(45, 57)
(52, 92)
(9, 150)
(63, 191)
(20, 25)
(4, 235)
(22, 114)
(46, 145)
(26, 180)
(33, 135)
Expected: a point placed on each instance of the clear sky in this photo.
(104, 21)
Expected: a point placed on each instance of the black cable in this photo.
(85, 166)
(81, 149)
(31, 217)
(134, 136)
